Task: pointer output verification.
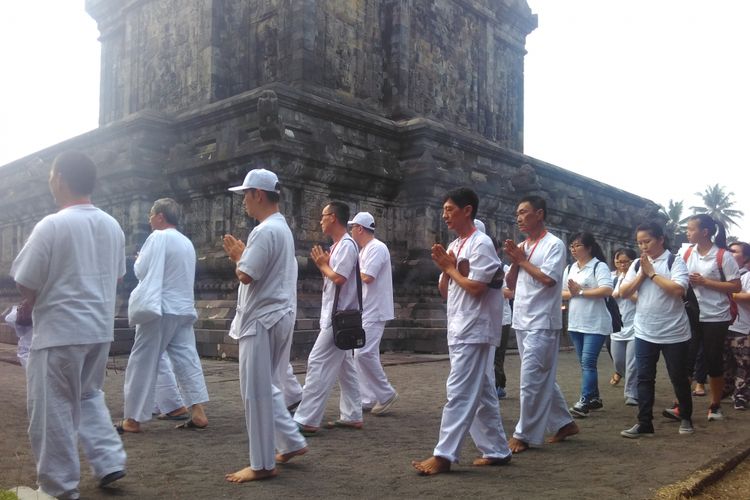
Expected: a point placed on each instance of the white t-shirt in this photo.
(73, 259)
(661, 318)
(377, 296)
(178, 259)
(627, 311)
(742, 323)
(588, 314)
(507, 310)
(475, 320)
(535, 306)
(343, 261)
(714, 305)
(272, 294)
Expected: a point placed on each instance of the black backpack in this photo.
(689, 299)
(611, 303)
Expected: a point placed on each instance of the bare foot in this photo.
(130, 425)
(198, 416)
(282, 458)
(517, 446)
(178, 412)
(432, 466)
(481, 461)
(248, 474)
(566, 430)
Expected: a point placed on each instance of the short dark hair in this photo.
(537, 202)
(169, 208)
(462, 197)
(341, 211)
(587, 240)
(629, 252)
(744, 248)
(77, 170)
(272, 196)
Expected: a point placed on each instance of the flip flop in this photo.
(190, 425)
(343, 424)
(307, 431)
(121, 430)
(167, 416)
(699, 393)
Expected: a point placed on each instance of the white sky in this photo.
(651, 96)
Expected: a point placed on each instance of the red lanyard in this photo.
(464, 242)
(535, 244)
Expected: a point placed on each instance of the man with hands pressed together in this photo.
(535, 275)
(471, 281)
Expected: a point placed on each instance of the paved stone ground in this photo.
(375, 462)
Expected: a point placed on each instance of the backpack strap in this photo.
(359, 286)
(687, 253)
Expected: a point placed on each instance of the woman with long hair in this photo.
(738, 339)
(623, 344)
(714, 275)
(587, 283)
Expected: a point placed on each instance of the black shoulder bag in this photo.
(347, 325)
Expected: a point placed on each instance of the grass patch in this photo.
(7, 495)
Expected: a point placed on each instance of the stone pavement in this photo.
(375, 462)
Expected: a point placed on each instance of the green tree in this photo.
(718, 204)
(675, 226)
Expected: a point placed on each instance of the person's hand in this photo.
(647, 267)
(513, 252)
(696, 279)
(574, 288)
(320, 256)
(233, 247)
(444, 260)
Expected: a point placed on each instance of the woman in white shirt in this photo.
(623, 345)
(738, 339)
(712, 282)
(587, 282)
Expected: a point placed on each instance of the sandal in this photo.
(190, 425)
(616, 377)
(343, 424)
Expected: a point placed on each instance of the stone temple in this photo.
(383, 104)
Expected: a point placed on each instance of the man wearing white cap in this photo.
(165, 268)
(263, 325)
(377, 301)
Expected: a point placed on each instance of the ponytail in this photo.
(715, 228)
(588, 240)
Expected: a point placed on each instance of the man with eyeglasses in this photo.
(326, 362)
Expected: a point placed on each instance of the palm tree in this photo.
(675, 226)
(718, 204)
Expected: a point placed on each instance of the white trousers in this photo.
(269, 425)
(66, 402)
(325, 364)
(175, 335)
(623, 356)
(373, 382)
(168, 397)
(286, 380)
(472, 404)
(543, 406)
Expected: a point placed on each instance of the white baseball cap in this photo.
(258, 178)
(480, 225)
(364, 219)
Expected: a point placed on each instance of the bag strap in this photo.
(359, 285)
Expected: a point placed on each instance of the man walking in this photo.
(165, 268)
(377, 393)
(263, 325)
(67, 274)
(536, 276)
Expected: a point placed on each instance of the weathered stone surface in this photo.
(383, 104)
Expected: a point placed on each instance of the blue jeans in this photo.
(675, 356)
(588, 346)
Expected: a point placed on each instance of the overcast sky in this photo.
(650, 96)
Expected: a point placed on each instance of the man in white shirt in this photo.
(535, 276)
(326, 362)
(471, 281)
(377, 301)
(165, 268)
(67, 274)
(263, 325)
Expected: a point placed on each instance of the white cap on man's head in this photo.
(364, 219)
(480, 225)
(258, 178)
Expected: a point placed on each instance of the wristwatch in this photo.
(652, 276)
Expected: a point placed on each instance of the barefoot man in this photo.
(263, 325)
(471, 281)
(536, 277)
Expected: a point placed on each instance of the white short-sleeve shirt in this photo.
(660, 318)
(588, 314)
(72, 259)
(742, 323)
(475, 320)
(507, 310)
(269, 261)
(714, 305)
(377, 296)
(627, 311)
(344, 255)
(535, 306)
